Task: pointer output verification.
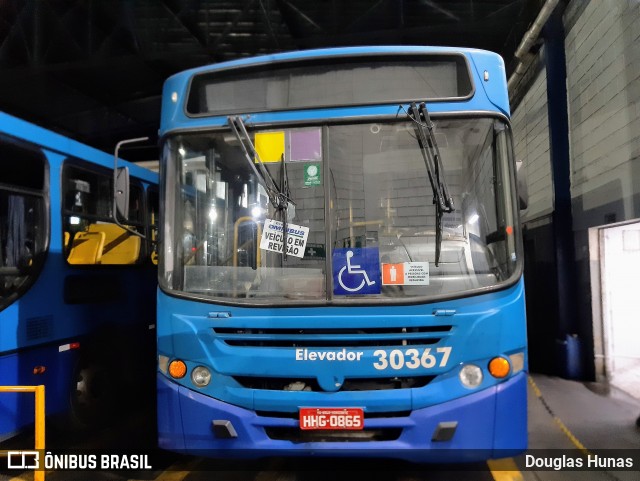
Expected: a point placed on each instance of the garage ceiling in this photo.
(93, 69)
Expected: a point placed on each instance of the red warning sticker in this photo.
(405, 274)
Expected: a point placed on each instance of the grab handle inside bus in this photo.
(121, 187)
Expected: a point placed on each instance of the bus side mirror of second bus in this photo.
(121, 184)
(523, 186)
(121, 192)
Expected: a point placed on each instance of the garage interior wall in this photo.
(602, 48)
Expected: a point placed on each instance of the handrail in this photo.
(39, 418)
(236, 228)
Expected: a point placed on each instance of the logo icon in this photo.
(312, 175)
(23, 460)
(356, 271)
(392, 274)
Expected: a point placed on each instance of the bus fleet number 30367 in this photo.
(395, 359)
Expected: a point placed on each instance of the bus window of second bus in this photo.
(23, 218)
(90, 235)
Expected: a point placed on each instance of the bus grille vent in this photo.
(295, 435)
(38, 328)
(333, 338)
(353, 384)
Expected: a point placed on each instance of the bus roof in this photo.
(53, 142)
(486, 69)
(334, 52)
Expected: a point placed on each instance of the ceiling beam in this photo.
(267, 20)
(442, 10)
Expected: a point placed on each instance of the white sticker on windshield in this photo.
(272, 238)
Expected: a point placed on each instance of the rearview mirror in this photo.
(121, 193)
(121, 187)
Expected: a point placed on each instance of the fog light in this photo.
(200, 376)
(470, 376)
(499, 367)
(177, 369)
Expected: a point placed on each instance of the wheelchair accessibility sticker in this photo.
(356, 271)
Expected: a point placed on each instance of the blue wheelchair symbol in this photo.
(356, 271)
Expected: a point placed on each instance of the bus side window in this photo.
(88, 223)
(23, 217)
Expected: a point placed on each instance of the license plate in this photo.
(332, 418)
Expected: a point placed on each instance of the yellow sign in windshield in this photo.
(270, 146)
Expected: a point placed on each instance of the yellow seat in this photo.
(120, 246)
(67, 238)
(86, 248)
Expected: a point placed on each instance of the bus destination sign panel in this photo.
(330, 82)
(332, 419)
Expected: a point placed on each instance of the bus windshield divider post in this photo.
(279, 196)
(433, 161)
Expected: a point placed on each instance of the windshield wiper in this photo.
(284, 201)
(279, 195)
(431, 155)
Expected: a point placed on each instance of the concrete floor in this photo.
(599, 418)
(565, 416)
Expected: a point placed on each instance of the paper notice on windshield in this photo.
(270, 146)
(272, 238)
(305, 145)
(405, 274)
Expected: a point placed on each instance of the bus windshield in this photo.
(361, 224)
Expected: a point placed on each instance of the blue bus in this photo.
(341, 263)
(77, 290)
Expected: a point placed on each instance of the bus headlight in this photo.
(200, 376)
(470, 376)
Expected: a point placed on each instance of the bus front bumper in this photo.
(491, 423)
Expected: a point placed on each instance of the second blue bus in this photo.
(77, 290)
